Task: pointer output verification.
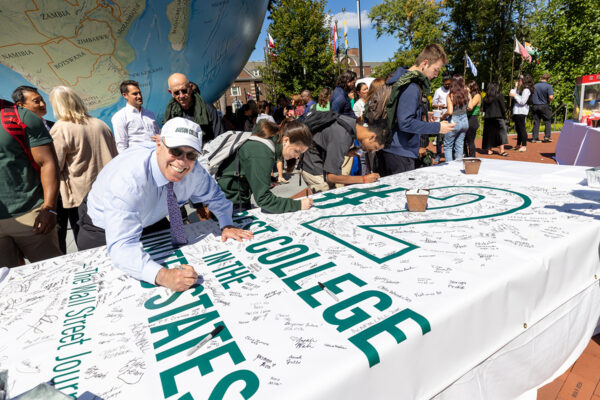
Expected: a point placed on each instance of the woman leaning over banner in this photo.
(255, 162)
(522, 94)
(84, 145)
(473, 115)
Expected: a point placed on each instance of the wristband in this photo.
(51, 211)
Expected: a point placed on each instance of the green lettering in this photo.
(255, 248)
(204, 301)
(291, 281)
(307, 295)
(202, 362)
(173, 331)
(278, 270)
(358, 314)
(268, 258)
(361, 339)
(218, 258)
(249, 390)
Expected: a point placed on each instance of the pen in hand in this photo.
(329, 292)
(207, 339)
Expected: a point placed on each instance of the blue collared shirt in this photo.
(130, 193)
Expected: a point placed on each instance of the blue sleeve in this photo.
(408, 115)
(550, 90)
(123, 232)
(209, 192)
(337, 102)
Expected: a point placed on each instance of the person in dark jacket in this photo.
(401, 154)
(494, 126)
(256, 161)
(340, 101)
(188, 103)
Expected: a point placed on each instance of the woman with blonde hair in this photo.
(84, 145)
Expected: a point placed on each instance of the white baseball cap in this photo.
(182, 132)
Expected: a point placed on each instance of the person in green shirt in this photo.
(256, 161)
(27, 197)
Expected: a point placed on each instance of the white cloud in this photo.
(351, 19)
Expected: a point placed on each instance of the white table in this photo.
(488, 294)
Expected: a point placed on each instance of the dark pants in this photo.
(91, 236)
(470, 136)
(64, 217)
(521, 129)
(543, 112)
(390, 163)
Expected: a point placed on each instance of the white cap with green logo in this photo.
(182, 132)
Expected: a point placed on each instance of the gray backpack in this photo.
(224, 146)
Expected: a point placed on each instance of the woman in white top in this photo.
(522, 94)
(264, 111)
(359, 106)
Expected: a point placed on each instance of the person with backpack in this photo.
(523, 95)
(28, 188)
(248, 171)
(406, 109)
(333, 141)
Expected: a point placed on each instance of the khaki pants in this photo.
(317, 183)
(16, 234)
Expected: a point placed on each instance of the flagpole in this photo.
(360, 55)
(512, 70)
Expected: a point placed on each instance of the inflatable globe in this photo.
(92, 46)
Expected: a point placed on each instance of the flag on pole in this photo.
(335, 39)
(271, 41)
(471, 65)
(520, 49)
(346, 34)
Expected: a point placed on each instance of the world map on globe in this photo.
(93, 45)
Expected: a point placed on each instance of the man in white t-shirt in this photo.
(133, 123)
(439, 107)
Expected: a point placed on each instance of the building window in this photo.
(235, 91)
(256, 73)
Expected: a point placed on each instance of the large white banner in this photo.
(413, 301)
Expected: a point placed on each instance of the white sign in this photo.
(413, 300)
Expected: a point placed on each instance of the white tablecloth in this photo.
(496, 282)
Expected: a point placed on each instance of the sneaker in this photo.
(534, 141)
(436, 159)
(547, 140)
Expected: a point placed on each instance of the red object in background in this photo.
(594, 78)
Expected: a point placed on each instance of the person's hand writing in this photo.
(372, 178)
(306, 203)
(231, 232)
(177, 279)
(44, 222)
(446, 127)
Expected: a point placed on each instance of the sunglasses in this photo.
(177, 152)
(182, 91)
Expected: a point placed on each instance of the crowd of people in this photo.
(114, 185)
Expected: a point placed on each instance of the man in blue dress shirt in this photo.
(130, 194)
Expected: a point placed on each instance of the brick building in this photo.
(249, 84)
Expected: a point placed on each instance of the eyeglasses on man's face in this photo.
(178, 151)
(182, 91)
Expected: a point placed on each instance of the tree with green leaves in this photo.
(568, 35)
(302, 57)
(415, 23)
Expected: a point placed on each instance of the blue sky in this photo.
(373, 49)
